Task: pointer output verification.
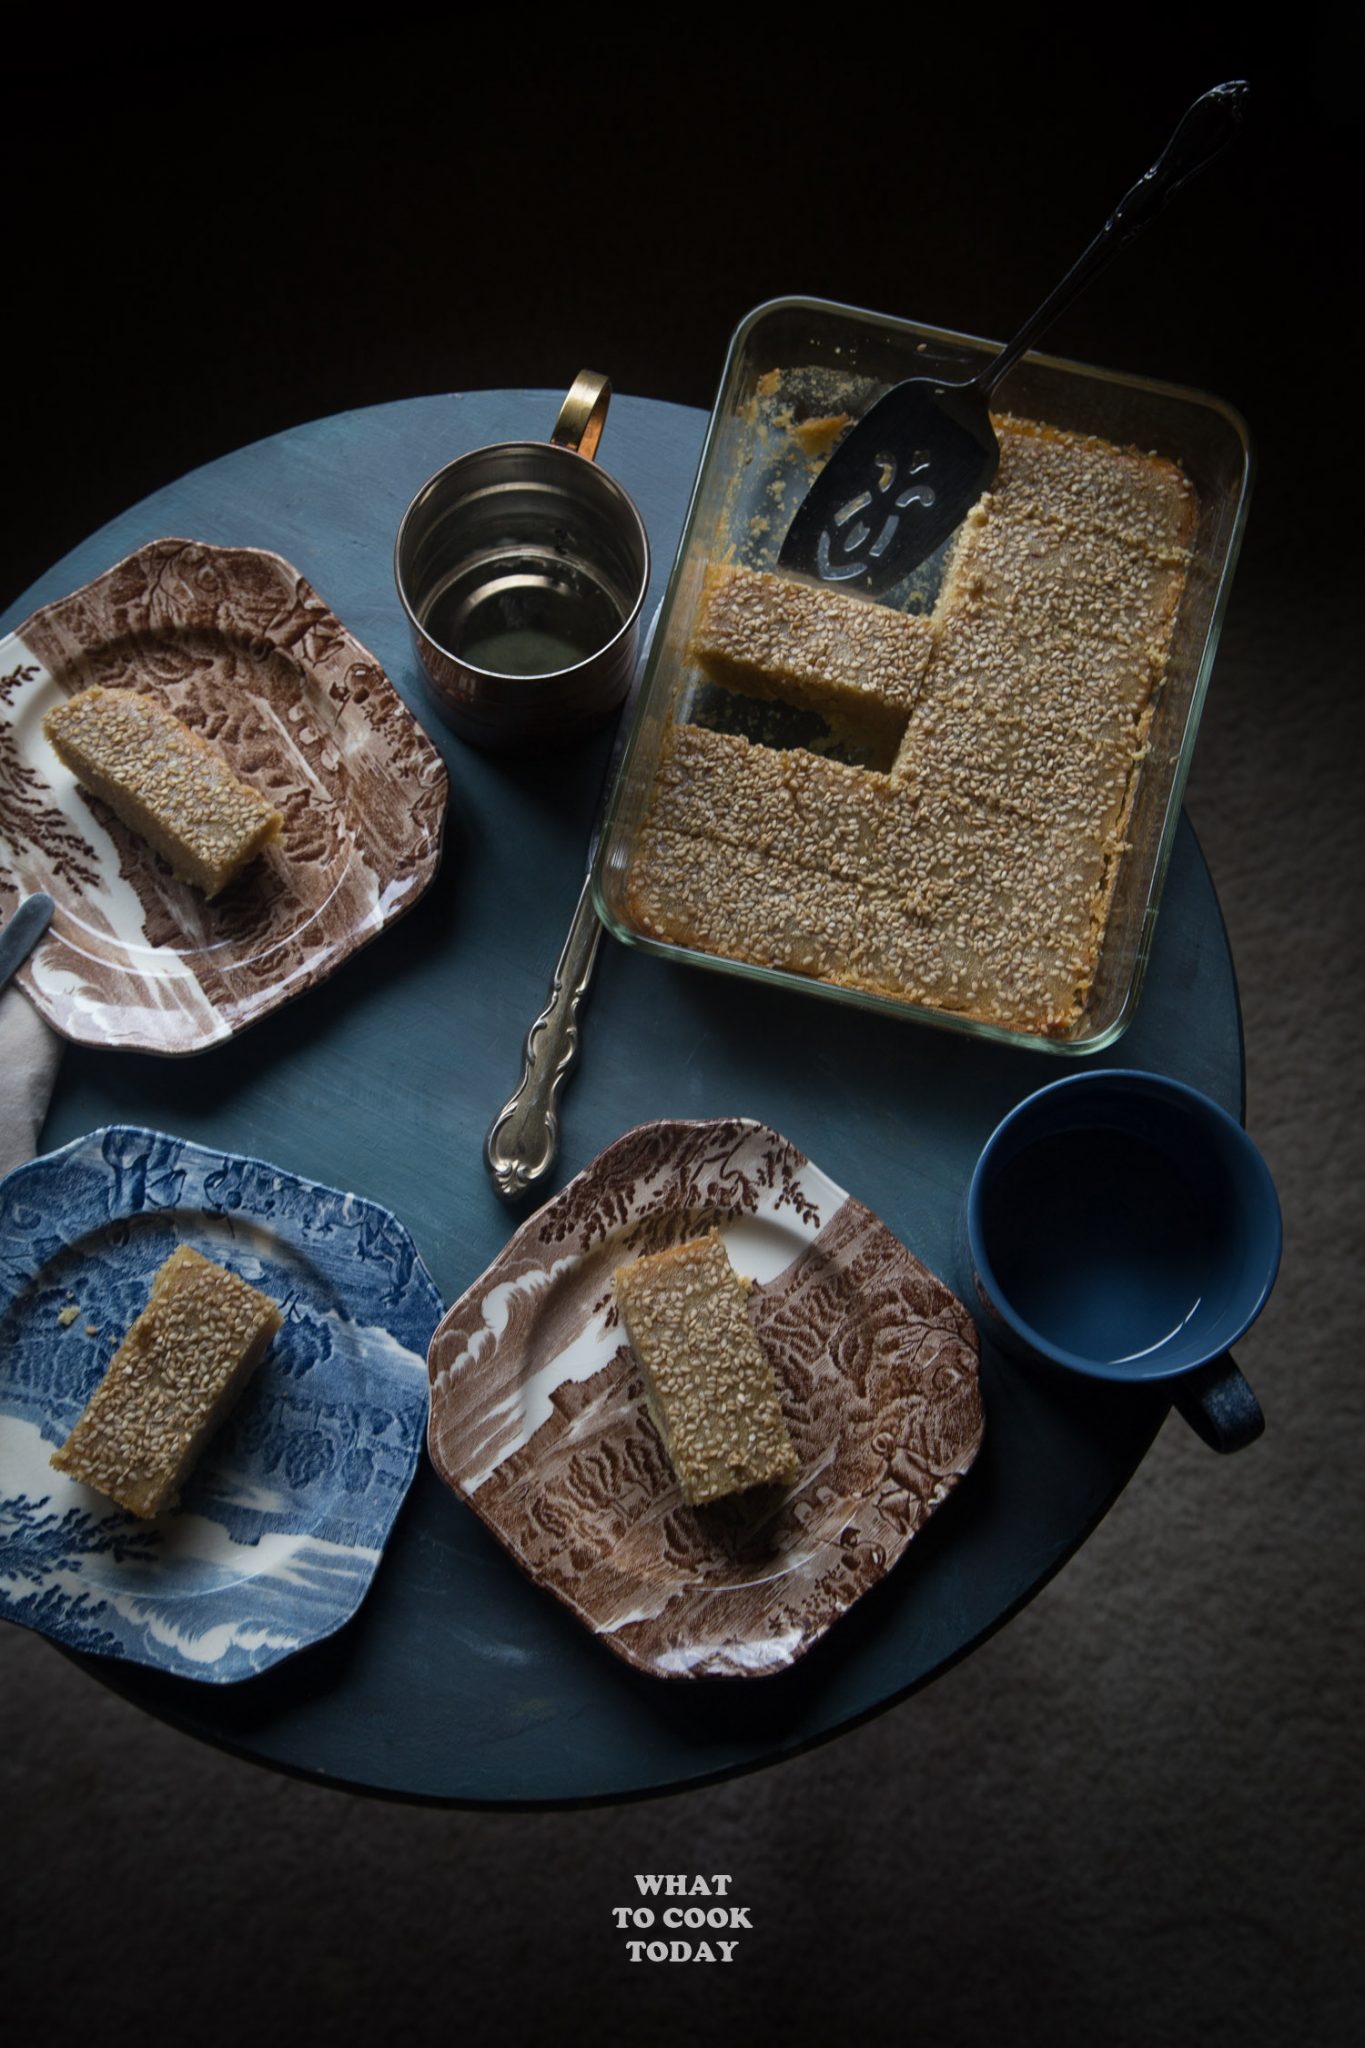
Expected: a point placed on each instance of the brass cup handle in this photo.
(583, 414)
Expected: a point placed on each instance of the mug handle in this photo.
(583, 414)
(1219, 1405)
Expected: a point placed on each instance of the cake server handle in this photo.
(1204, 132)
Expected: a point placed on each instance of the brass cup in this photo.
(522, 568)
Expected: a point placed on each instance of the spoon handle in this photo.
(521, 1147)
(1208, 126)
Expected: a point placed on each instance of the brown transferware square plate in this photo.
(538, 1417)
(241, 648)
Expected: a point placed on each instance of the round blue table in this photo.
(459, 1680)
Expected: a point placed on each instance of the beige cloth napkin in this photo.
(29, 1055)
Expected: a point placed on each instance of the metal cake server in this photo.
(523, 1140)
(912, 468)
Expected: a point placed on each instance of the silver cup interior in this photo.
(522, 559)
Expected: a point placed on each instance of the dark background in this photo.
(1135, 1815)
(213, 236)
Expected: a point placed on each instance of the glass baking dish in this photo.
(816, 360)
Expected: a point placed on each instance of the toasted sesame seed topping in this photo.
(770, 636)
(164, 782)
(977, 876)
(709, 1386)
(169, 1384)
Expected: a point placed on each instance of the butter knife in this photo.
(23, 932)
(523, 1140)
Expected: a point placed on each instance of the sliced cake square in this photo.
(170, 1383)
(709, 1387)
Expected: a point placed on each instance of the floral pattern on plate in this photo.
(281, 1526)
(242, 649)
(538, 1418)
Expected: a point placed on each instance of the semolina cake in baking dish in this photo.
(862, 665)
(974, 874)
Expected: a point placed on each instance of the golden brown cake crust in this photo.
(169, 1384)
(773, 636)
(709, 1386)
(976, 876)
(1080, 480)
(164, 782)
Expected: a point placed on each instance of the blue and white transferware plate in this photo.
(281, 1527)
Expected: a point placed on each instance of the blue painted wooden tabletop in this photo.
(459, 1680)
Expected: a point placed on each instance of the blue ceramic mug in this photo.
(1123, 1226)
